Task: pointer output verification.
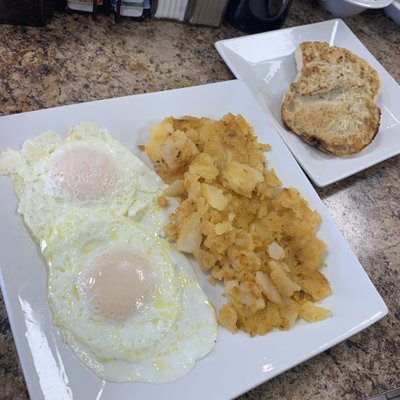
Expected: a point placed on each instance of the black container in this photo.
(26, 12)
(253, 16)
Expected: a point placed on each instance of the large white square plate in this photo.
(237, 362)
(265, 62)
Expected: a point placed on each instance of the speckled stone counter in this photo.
(75, 59)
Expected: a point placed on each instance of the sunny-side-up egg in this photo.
(127, 303)
(88, 169)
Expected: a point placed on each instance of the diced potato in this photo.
(207, 172)
(273, 315)
(158, 135)
(223, 227)
(247, 293)
(204, 159)
(228, 318)
(175, 189)
(263, 210)
(312, 313)
(204, 258)
(312, 282)
(261, 230)
(190, 236)
(273, 264)
(177, 151)
(284, 284)
(242, 178)
(289, 311)
(202, 205)
(192, 185)
(230, 285)
(231, 216)
(267, 286)
(214, 196)
(275, 251)
(203, 165)
(301, 297)
(265, 147)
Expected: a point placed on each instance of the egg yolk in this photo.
(117, 284)
(83, 173)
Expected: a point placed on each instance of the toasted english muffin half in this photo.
(308, 52)
(331, 104)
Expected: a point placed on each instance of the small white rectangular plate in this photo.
(265, 62)
(238, 362)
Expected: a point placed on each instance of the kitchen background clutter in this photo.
(249, 16)
(197, 12)
(26, 12)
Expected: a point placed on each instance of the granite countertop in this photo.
(74, 59)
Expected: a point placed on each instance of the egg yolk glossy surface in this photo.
(84, 173)
(117, 283)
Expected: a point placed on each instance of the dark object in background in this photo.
(253, 16)
(205, 12)
(26, 12)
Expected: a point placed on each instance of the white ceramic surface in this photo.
(341, 8)
(237, 362)
(265, 62)
(393, 11)
(348, 8)
(370, 3)
(86, 6)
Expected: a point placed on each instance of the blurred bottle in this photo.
(253, 16)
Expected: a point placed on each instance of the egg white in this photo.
(177, 326)
(163, 341)
(41, 202)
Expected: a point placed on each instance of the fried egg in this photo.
(127, 303)
(86, 170)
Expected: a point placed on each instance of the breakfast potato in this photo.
(244, 229)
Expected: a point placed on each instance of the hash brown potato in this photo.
(244, 229)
